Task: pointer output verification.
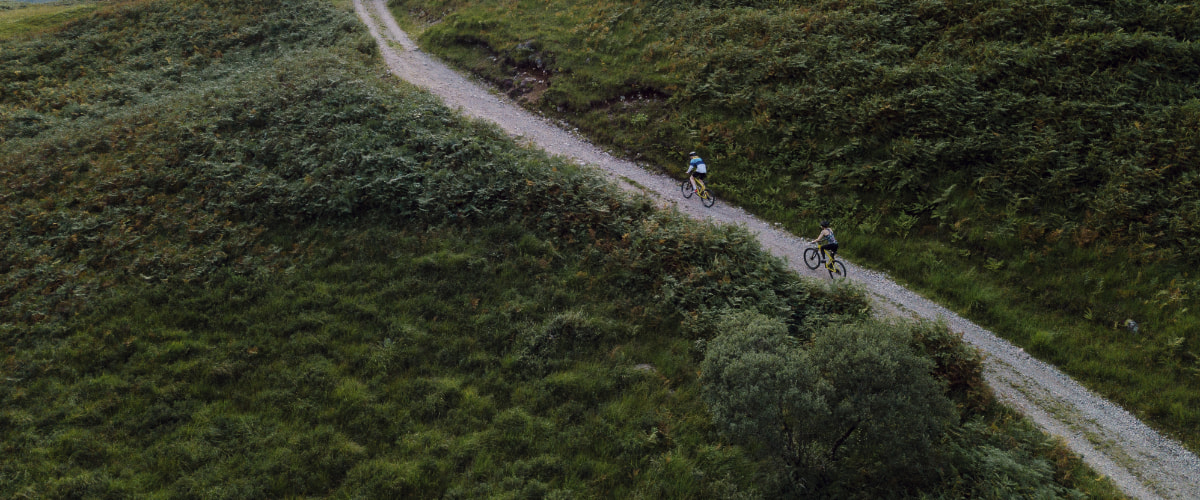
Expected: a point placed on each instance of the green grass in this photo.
(17, 18)
(951, 131)
(357, 349)
(240, 260)
(383, 361)
(1150, 372)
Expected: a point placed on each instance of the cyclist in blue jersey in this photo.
(830, 243)
(701, 170)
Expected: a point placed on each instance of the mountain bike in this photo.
(814, 256)
(706, 195)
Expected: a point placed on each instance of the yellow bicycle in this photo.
(816, 256)
(706, 196)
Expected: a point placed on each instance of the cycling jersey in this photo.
(698, 165)
(829, 238)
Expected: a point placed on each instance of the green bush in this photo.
(867, 410)
(857, 412)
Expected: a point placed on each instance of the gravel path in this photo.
(1139, 460)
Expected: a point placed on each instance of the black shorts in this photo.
(700, 175)
(831, 248)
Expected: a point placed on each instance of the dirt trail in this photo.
(1142, 462)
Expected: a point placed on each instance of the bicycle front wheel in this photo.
(812, 258)
(706, 196)
(837, 271)
(686, 188)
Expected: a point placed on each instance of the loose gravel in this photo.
(1143, 463)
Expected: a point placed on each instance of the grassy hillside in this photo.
(1032, 164)
(240, 261)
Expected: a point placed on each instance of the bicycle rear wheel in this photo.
(812, 258)
(686, 188)
(837, 271)
(706, 196)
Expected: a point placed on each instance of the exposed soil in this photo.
(1143, 463)
(528, 86)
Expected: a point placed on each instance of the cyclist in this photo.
(701, 170)
(830, 245)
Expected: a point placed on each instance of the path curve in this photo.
(1139, 460)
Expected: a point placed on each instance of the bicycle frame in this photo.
(815, 257)
(693, 185)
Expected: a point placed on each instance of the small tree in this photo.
(755, 376)
(884, 408)
(857, 410)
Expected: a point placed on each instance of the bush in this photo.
(855, 413)
(958, 364)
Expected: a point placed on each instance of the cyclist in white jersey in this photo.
(701, 170)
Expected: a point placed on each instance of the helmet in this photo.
(693, 153)
(824, 223)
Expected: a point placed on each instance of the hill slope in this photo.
(240, 262)
(1104, 434)
(1030, 165)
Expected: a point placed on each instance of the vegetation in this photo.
(17, 18)
(239, 261)
(1030, 164)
